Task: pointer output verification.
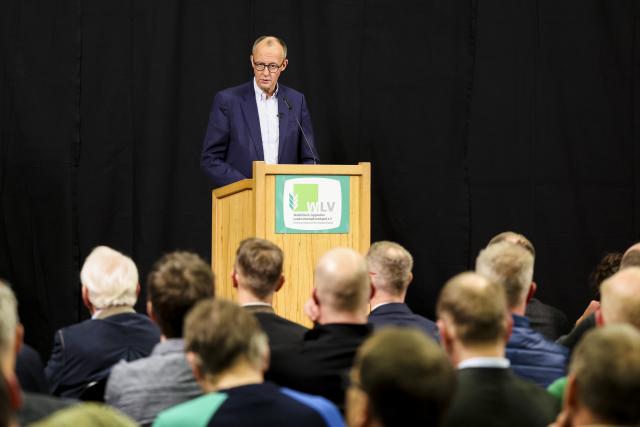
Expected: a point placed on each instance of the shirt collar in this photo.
(260, 95)
(485, 362)
(112, 311)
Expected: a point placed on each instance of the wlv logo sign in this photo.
(304, 198)
(312, 204)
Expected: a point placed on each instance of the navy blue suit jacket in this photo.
(399, 314)
(86, 351)
(233, 139)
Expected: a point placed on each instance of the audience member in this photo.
(399, 378)
(30, 371)
(87, 414)
(474, 328)
(84, 353)
(544, 318)
(631, 257)
(608, 265)
(587, 321)
(29, 406)
(604, 380)
(228, 353)
(257, 275)
(531, 355)
(390, 268)
(144, 387)
(341, 300)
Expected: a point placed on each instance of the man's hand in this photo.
(591, 308)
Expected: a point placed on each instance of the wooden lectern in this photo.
(249, 208)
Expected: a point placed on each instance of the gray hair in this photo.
(8, 317)
(110, 277)
(510, 266)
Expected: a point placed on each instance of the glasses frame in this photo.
(260, 66)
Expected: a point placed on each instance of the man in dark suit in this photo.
(474, 328)
(390, 268)
(257, 275)
(257, 120)
(84, 353)
(320, 363)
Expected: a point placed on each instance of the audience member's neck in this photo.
(239, 374)
(464, 352)
(582, 416)
(328, 317)
(246, 297)
(382, 297)
(519, 309)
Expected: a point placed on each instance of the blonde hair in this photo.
(510, 266)
(393, 264)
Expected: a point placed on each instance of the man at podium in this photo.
(258, 120)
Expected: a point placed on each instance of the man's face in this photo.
(268, 55)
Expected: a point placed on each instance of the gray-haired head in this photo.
(110, 277)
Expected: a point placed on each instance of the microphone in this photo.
(301, 130)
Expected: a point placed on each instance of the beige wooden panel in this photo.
(233, 220)
(302, 251)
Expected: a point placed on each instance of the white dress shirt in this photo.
(269, 123)
(485, 362)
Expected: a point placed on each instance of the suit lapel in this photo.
(250, 112)
(285, 117)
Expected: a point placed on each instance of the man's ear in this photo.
(234, 278)
(314, 297)
(570, 400)
(280, 283)
(532, 291)
(372, 292)
(509, 327)
(192, 358)
(19, 338)
(284, 64)
(599, 317)
(86, 301)
(410, 278)
(446, 335)
(150, 312)
(137, 289)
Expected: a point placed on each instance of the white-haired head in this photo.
(8, 318)
(110, 278)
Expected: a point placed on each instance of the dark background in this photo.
(478, 116)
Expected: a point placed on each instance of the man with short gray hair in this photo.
(390, 268)
(532, 356)
(258, 120)
(83, 354)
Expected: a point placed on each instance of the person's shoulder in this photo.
(194, 412)
(327, 410)
(236, 91)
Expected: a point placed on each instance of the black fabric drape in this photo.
(477, 115)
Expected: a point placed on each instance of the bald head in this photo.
(269, 41)
(342, 281)
(631, 257)
(620, 302)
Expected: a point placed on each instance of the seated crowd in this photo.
(494, 356)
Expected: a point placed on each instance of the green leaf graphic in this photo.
(293, 201)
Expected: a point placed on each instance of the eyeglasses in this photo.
(260, 66)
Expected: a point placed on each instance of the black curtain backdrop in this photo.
(478, 116)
